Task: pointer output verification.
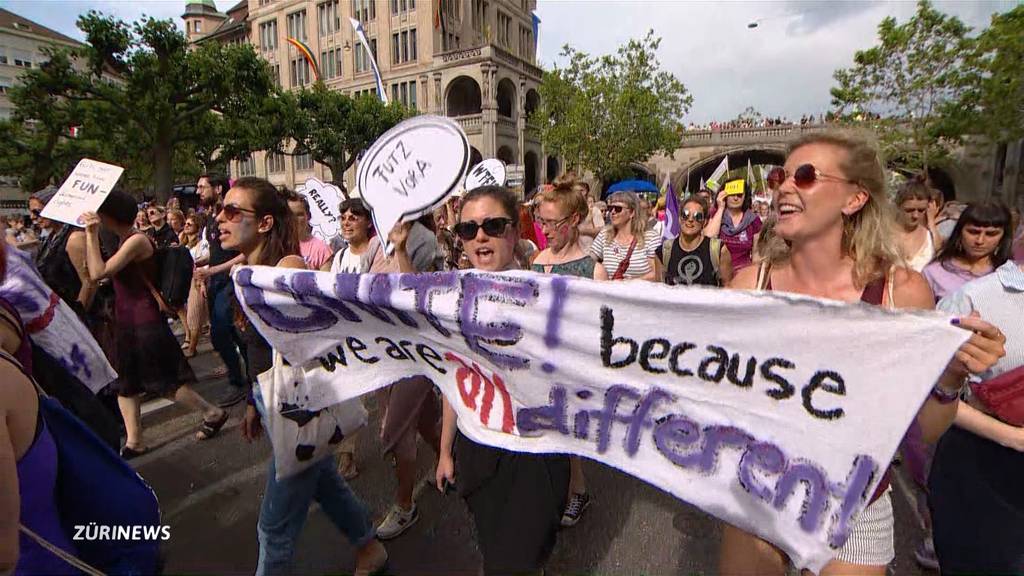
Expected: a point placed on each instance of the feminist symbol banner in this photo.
(776, 413)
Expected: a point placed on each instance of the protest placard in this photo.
(411, 169)
(735, 188)
(777, 413)
(324, 200)
(490, 172)
(84, 190)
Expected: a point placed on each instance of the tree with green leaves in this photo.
(332, 127)
(146, 90)
(904, 86)
(605, 113)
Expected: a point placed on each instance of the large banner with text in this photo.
(776, 413)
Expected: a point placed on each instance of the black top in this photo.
(164, 237)
(218, 255)
(689, 268)
(56, 268)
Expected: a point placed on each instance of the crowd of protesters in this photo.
(830, 231)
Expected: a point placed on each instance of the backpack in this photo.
(174, 268)
(716, 252)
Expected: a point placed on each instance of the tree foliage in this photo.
(605, 113)
(910, 83)
(143, 92)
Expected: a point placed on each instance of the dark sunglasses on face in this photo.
(615, 209)
(234, 213)
(493, 227)
(806, 175)
(696, 215)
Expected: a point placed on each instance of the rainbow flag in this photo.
(308, 54)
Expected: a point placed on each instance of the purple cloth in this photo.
(946, 278)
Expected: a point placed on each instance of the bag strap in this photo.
(60, 553)
(666, 250)
(763, 275)
(620, 272)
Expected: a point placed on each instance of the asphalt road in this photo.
(210, 494)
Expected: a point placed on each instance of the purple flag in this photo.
(671, 229)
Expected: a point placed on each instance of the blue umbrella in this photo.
(639, 186)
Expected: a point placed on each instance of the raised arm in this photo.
(715, 224)
(135, 248)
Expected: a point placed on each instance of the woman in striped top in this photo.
(624, 250)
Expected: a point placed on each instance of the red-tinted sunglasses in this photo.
(804, 176)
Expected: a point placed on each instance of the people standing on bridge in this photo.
(625, 249)
(833, 240)
(736, 224)
(560, 211)
(219, 288)
(517, 499)
(980, 243)
(314, 251)
(692, 258)
(256, 222)
(148, 357)
(919, 234)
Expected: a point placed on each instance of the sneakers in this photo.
(925, 554)
(396, 522)
(574, 510)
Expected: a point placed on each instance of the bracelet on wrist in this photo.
(943, 396)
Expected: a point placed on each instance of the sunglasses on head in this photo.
(493, 227)
(696, 215)
(806, 175)
(233, 213)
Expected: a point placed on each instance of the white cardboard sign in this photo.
(411, 169)
(324, 200)
(490, 172)
(84, 191)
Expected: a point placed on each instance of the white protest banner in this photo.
(53, 325)
(490, 172)
(411, 169)
(84, 190)
(324, 200)
(777, 413)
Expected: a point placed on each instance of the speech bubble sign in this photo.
(490, 172)
(735, 188)
(411, 170)
(84, 191)
(324, 200)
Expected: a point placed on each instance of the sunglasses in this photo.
(615, 209)
(697, 215)
(806, 175)
(234, 213)
(493, 227)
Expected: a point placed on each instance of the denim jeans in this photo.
(223, 335)
(286, 504)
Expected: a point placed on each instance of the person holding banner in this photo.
(257, 222)
(561, 212)
(516, 499)
(148, 357)
(834, 239)
(625, 249)
(736, 224)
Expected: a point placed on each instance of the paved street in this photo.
(210, 494)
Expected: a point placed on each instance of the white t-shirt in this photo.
(610, 253)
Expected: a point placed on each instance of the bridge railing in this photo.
(729, 136)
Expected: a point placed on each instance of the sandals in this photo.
(209, 429)
(128, 452)
(347, 466)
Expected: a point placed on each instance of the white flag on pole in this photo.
(714, 181)
(358, 27)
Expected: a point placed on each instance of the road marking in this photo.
(243, 476)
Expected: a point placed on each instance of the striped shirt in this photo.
(610, 254)
(999, 299)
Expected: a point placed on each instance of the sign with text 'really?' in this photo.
(778, 414)
(490, 172)
(411, 169)
(84, 190)
(324, 200)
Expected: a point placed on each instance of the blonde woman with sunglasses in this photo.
(625, 249)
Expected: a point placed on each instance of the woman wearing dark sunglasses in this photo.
(625, 249)
(255, 220)
(692, 258)
(516, 498)
(149, 359)
(835, 239)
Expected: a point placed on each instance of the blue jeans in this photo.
(286, 503)
(223, 335)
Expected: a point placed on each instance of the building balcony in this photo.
(471, 123)
(485, 53)
(507, 125)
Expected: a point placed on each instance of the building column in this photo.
(521, 119)
(425, 102)
(438, 103)
(489, 111)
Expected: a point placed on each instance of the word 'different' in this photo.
(400, 170)
(785, 417)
